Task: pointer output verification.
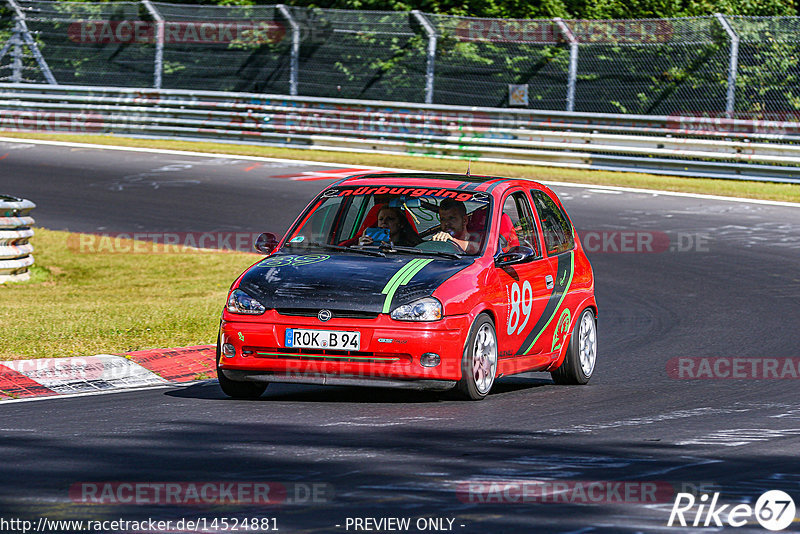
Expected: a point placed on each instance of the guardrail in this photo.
(673, 145)
(15, 231)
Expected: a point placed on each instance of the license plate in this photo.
(299, 338)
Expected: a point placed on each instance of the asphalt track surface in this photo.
(400, 454)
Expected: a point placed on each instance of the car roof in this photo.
(491, 184)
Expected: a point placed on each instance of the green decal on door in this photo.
(564, 273)
(562, 329)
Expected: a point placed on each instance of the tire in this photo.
(236, 389)
(479, 363)
(579, 362)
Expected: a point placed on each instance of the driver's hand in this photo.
(444, 236)
(364, 240)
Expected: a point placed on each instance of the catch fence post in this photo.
(430, 70)
(294, 61)
(159, 60)
(16, 55)
(733, 65)
(573, 62)
(23, 35)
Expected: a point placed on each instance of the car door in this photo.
(553, 325)
(526, 286)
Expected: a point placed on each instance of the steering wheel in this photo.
(430, 231)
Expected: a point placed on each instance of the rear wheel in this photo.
(234, 388)
(579, 362)
(479, 363)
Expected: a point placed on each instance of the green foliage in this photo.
(665, 66)
(575, 9)
(750, 8)
(639, 9)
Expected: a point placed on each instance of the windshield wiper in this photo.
(412, 250)
(338, 247)
(362, 250)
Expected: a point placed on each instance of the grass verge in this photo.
(731, 188)
(78, 304)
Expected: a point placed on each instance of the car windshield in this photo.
(395, 220)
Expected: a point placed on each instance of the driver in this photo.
(453, 221)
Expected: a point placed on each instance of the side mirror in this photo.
(266, 243)
(514, 256)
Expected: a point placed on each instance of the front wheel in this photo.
(579, 362)
(236, 389)
(479, 363)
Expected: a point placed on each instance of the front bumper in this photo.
(390, 350)
(328, 380)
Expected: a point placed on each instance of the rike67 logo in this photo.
(774, 510)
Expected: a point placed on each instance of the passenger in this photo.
(453, 221)
(401, 233)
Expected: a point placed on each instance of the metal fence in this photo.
(744, 67)
(683, 146)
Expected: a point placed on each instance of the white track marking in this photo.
(605, 191)
(190, 153)
(91, 393)
(90, 373)
(736, 437)
(597, 188)
(656, 192)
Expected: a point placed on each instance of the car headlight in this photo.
(427, 309)
(241, 302)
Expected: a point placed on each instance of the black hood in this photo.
(347, 281)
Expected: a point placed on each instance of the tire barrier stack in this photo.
(15, 231)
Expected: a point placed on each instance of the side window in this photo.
(319, 226)
(556, 227)
(517, 225)
(321, 222)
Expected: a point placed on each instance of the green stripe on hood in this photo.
(401, 278)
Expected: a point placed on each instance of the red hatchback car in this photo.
(429, 281)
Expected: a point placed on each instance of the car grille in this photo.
(326, 355)
(335, 314)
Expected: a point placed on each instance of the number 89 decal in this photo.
(521, 304)
(297, 261)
